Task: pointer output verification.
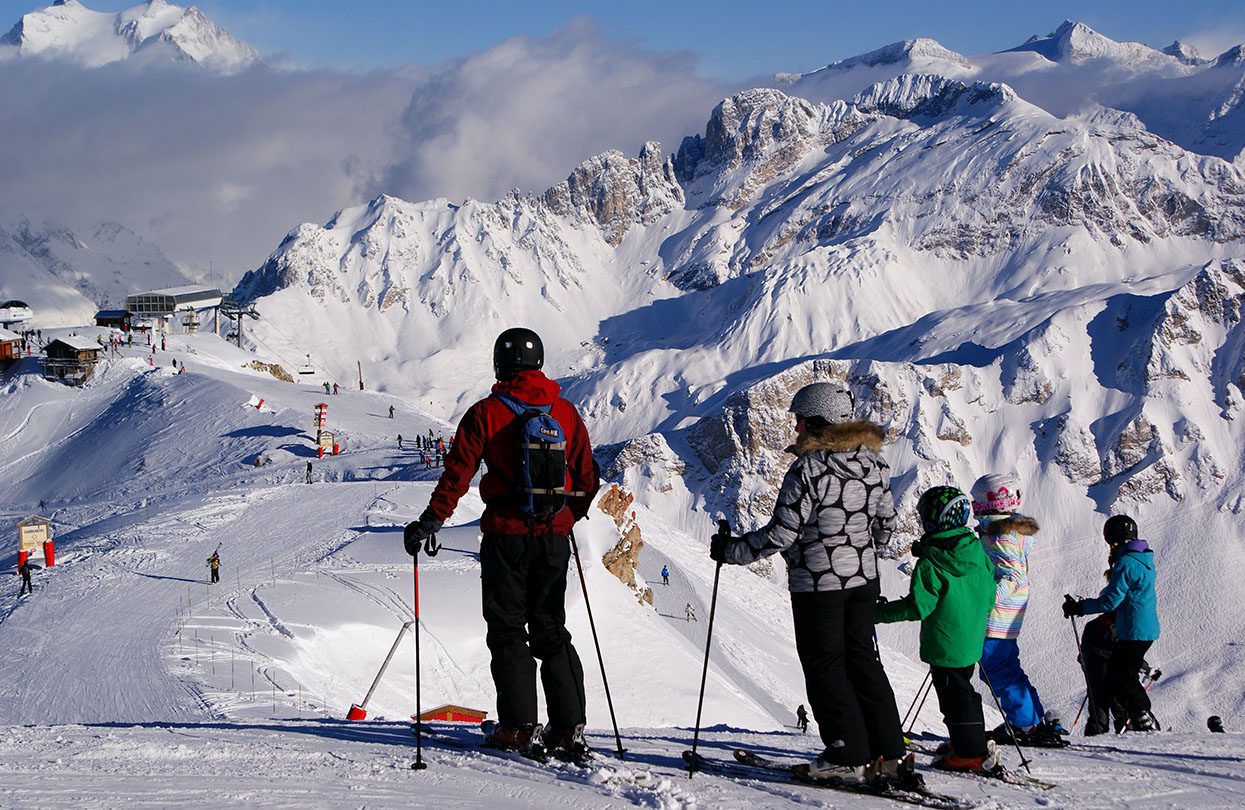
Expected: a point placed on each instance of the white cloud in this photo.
(527, 111)
(218, 168)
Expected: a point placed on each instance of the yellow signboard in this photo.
(326, 440)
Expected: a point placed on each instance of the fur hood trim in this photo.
(1020, 524)
(841, 437)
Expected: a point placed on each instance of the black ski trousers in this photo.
(961, 709)
(847, 687)
(1097, 642)
(216, 575)
(524, 596)
(1123, 678)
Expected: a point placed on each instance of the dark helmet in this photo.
(517, 349)
(1119, 529)
(943, 508)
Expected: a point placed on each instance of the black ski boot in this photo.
(528, 740)
(568, 743)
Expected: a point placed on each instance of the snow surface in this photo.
(136, 683)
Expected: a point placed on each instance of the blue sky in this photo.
(730, 39)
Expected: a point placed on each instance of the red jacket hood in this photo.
(530, 386)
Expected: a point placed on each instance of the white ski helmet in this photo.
(829, 400)
(997, 493)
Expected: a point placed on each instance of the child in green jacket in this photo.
(952, 594)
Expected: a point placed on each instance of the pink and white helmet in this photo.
(997, 492)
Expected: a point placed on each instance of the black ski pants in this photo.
(1097, 642)
(961, 709)
(848, 691)
(1123, 678)
(524, 596)
(216, 575)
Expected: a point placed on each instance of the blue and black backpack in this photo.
(540, 480)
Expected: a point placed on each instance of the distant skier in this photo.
(801, 719)
(525, 553)
(334, 389)
(390, 411)
(308, 472)
(27, 587)
(162, 345)
(689, 613)
(213, 563)
(1130, 593)
(834, 510)
(665, 575)
(952, 594)
(327, 388)
(399, 441)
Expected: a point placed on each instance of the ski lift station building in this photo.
(165, 304)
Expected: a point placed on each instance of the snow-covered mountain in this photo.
(1173, 91)
(66, 276)
(156, 30)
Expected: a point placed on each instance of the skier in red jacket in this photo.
(523, 560)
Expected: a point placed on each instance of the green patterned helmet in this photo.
(943, 508)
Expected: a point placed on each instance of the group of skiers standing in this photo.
(834, 510)
(969, 590)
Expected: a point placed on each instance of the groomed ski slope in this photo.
(132, 682)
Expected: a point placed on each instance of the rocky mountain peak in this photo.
(615, 192)
(70, 31)
(929, 95)
(747, 127)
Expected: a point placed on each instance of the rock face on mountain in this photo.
(155, 29)
(1000, 287)
(614, 192)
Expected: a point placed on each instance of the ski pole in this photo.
(418, 765)
(691, 757)
(923, 687)
(609, 701)
(1084, 702)
(1010, 731)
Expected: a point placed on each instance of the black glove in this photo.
(719, 542)
(417, 531)
(1072, 607)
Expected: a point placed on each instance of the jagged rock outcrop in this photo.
(623, 560)
(275, 369)
(615, 192)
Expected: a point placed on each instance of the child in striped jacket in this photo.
(1008, 537)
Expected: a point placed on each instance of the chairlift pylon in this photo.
(307, 368)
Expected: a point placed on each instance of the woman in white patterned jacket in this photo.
(834, 509)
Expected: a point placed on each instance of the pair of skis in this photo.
(751, 765)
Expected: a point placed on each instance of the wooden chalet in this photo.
(115, 318)
(71, 360)
(10, 347)
(454, 714)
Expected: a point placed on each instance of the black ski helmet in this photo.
(1119, 529)
(515, 350)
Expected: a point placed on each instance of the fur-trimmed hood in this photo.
(841, 437)
(1020, 524)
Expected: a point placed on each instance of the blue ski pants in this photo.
(1000, 662)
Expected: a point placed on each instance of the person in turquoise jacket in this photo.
(952, 593)
(1131, 595)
